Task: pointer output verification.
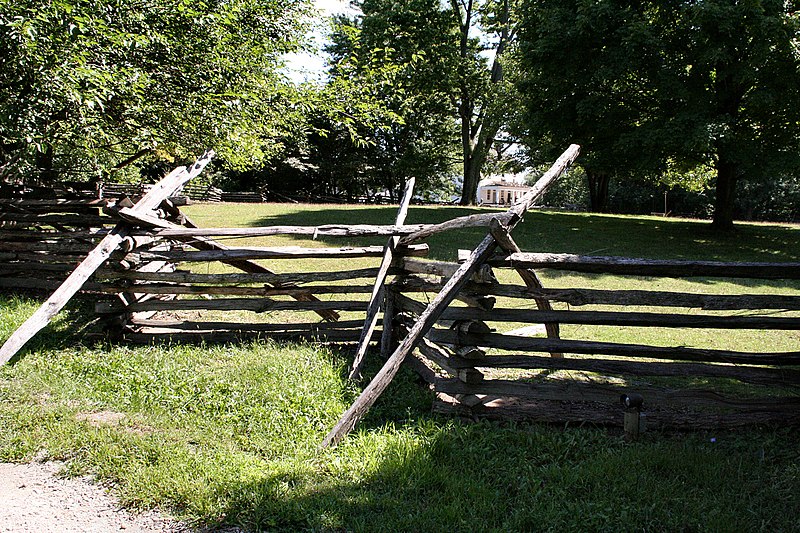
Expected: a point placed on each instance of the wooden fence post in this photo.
(507, 243)
(378, 289)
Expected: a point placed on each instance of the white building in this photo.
(502, 189)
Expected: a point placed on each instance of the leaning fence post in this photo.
(378, 289)
(56, 302)
(428, 318)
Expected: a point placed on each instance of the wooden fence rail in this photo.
(466, 333)
(471, 366)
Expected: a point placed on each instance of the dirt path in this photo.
(34, 499)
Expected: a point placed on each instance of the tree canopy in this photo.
(648, 85)
(670, 91)
(397, 53)
(89, 86)
(449, 87)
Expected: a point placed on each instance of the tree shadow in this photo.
(443, 247)
(67, 329)
(489, 477)
(576, 233)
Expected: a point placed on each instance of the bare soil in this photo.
(35, 499)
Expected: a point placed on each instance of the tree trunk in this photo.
(46, 174)
(727, 177)
(598, 190)
(473, 162)
(478, 132)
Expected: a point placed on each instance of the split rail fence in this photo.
(477, 370)
(156, 275)
(43, 239)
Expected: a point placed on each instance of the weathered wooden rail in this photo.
(43, 239)
(159, 277)
(246, 300)
(478, 369)
(165, 270)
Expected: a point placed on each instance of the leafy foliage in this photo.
(586, 79)
(445, 62)
(86, 85)
(640, 85)
(398, 53)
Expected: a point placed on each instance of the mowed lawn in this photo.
(229, 434)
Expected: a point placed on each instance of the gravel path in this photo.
(34, 499)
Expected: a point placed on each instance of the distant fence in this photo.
(198, 193)
(209, 193)
(194, 192)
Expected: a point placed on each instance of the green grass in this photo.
(541, 231)
(557, 232)
(228, 434)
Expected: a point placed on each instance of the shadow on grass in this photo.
(67, 329)
(443, 247)
(403, 470)
(578, 233)
(485, 477)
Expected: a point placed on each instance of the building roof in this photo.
(500, 183)
(515, 181)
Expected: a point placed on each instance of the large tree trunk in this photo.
(598, 190)
(46, 174)
(727, 177)
(478, 132)
(730, 93)
(471, 172)
(474, 158)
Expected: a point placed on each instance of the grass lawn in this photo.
(228, 434)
